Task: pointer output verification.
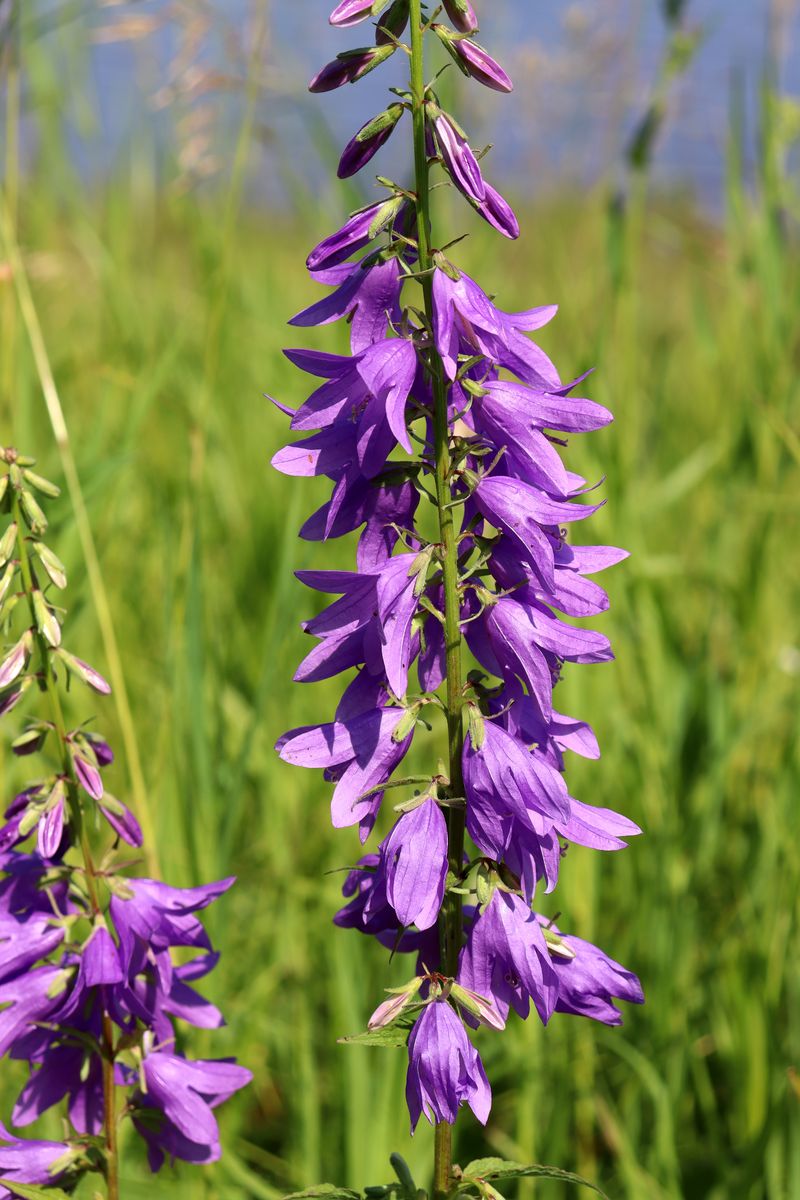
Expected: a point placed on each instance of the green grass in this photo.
(164, 326)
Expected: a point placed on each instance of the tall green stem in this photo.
(76, 819)
(451, 918)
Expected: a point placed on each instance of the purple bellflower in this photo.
(445, 397)
(444, 1069)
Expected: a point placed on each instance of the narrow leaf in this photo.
(27, 1191)
(497, 1168)
(392, 1035)
(328, 1190)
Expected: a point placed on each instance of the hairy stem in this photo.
(49, 685)
(451, 917)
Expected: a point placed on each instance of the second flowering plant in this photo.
(445, 400)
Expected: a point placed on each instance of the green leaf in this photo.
(27, 1191)
(328, 1190)
(498, 1168)
(392, 1035)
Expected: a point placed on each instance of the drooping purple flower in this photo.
(466, 321)
(157, 916)
(397, 596)
(29, 998)
(184, 1093)
(506, 959)
(444, 1069)
(362, 753)
(25, 1161)
(590, 982)
(415, 864)
(504, 781)
(100, 962)
(368, 294)
(65, 1069)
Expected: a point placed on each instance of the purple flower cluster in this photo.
(519, 578)
(90, 985)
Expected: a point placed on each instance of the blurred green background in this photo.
(163, 301)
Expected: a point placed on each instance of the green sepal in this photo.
(385, 120)
(476, 726)
(386, 213)
(447, 38)
(489, 1169)
(29, 1191)
(328, 1190)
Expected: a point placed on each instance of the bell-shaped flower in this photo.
(444, 1069)
(504, 782)
(156, 917)
(175, 1116)
(506, 959)
(369, 294)
(24, 1161)
(362, 753)
(415, 865)
(589, 982)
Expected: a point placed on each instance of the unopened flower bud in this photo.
(352, 12)
(392, 22)
(368, 141)
(14, 662)
(41, 484)
(76, 666)
(477, 1006)
(32, 512)
(8, 542)
(462, 15)
(350, 67)
(473, 60)
(46, 621)
(52, 564)
(390, 1009)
